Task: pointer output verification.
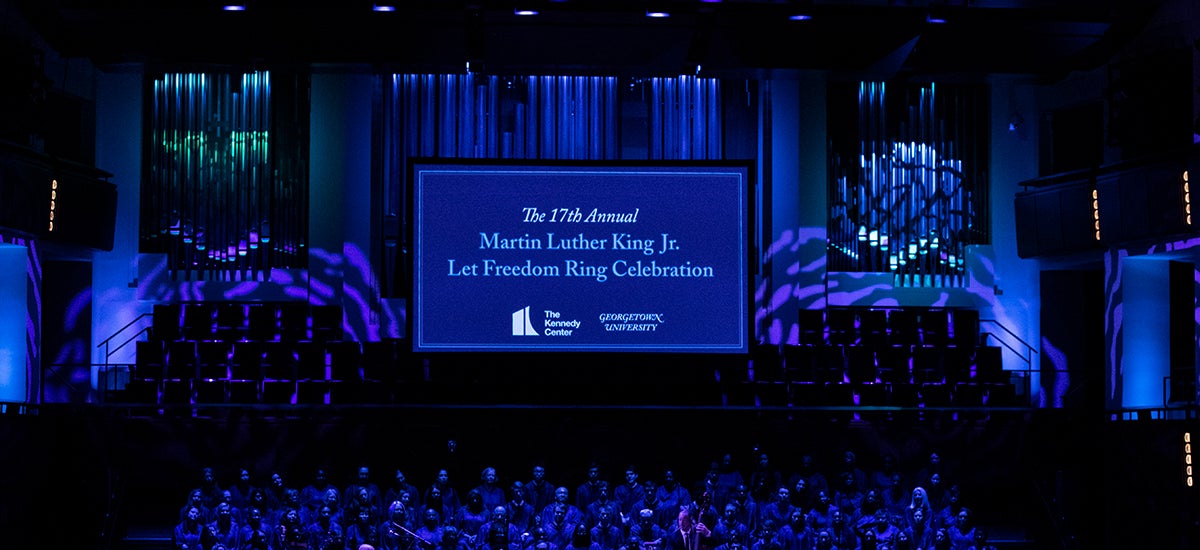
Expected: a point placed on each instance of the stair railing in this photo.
(109, 351)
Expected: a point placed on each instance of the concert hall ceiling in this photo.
(1045, 38)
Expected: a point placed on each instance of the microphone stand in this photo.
(405, 530)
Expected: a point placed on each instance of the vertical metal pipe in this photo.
(237, 193)
(265, 182)
(465, 112)
(532, 128)
(562, 125)
(149, 229)
(860, 175)
(698, 136)
(251, 194)
(579, 120)
(548, 123)
(492, 116)
(656, 115)
(877, 147)
(175, 122)
(420, 89)
(481, 90)
(194, 204)
(666, 97)
(447, 130)
(687, 118)
(715, 127)
(579, 123)
(671, 121)
(613, 118)
(595, 128)
(694, 121)
(519, 129)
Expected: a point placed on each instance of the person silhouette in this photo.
(188, 531)
(688, 535)
(538, 492)
(490, 490)
(325, 533)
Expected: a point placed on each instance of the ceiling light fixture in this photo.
(657, 14)
(234, 7)
(524, 11)
(800, 17)
(383, 7)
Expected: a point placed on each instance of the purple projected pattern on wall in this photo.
(343, 279)
(1062, 376)
(802, 250)
(67, 374)
(808, 286)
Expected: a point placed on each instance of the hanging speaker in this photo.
(80, 211)
(1058, 220)
(56, 200)
(1146, 202)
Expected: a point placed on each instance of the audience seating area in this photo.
(288, 353)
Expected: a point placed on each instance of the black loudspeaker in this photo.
(1167, 214)
(81, 211)
(1123, 204)
(19, 193)
(1077, 219)
(1049, 224)
(56, 200)
(1056, 220)
(1144, 202)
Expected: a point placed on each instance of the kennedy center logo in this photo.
(520, 323)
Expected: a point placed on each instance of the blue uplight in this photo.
(13, 298)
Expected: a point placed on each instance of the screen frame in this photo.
(749, 263)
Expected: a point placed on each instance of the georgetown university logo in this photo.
(521, 325)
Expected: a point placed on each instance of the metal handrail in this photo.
(1030, 350)
(108, 353)
(1027, 356)
(1024, 357)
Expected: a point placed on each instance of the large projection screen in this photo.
(567, 257)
